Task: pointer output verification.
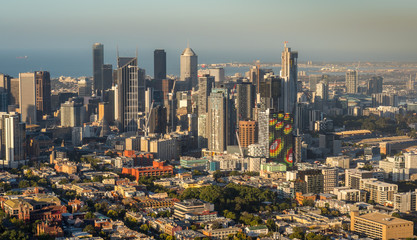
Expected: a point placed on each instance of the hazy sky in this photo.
(218, 30)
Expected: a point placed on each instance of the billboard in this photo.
(281, 139)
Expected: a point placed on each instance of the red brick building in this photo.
(158, 169)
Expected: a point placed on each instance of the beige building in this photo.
(339, 161)
(380, 226)
(188, 66)
(380, 192)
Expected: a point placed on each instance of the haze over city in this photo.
(208, 120)
(57, 35)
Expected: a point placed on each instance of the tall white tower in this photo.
(188, 66)
(289, 74)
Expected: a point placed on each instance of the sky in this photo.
(218, 31)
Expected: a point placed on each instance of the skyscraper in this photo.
(43, 93)
(84, 88)
(352, 81)
(131, 93)
(205, 84)
(271, 94)
(217, 122)
(5, 81)
(313, 80)
(73, 113)
(159, 64)
(14, 97)
(276, 134)
(245, 101)
(188, 66)
(98, 61)
(13, 139)
(247, 133)
(27, 100)
(289, 72)
(322, 91)
(107, 76)
(375, 85)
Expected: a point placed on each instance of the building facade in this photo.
(98, 61)
(188, 67)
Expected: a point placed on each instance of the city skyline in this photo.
(322, 31)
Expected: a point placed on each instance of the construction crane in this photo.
(172, 106)
(147, 120)
(238, 143)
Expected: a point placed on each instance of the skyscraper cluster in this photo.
(218, 114)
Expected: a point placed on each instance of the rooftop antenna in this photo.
(285, 44)
(188, 43)
(136, 52)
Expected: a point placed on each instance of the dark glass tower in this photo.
(107, 76)
(98, 61)
(43, 93)
(160, 64)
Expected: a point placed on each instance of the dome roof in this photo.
(188, 52)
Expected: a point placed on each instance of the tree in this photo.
(144, 228)
(24, 184)
(308, 202)
(229, 214)
(90, 229)
(217, 174)
(283, 206)
(112, 214)
(89, 215)
(310, 236)
(98, 178)
(270, 223)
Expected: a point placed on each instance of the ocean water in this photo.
(78, 62)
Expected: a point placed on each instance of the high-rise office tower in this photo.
(205, 84)
(4, 92)
(131, 93)
(375, 85)
(322, 91)
(43, 93)
(13, 139)
(107, 76)
(245, 101)
(218, 124)
(217, 73)
(256, 75)
(248, 133)
(313, 80)
(84, 88)
(73, 113)
(202, 131)
(289, 73)
(410, 83)
(5, 81)
(14, 97)
(188, 67)
(159, 65)
(27, 100)
(352, 81)
(158, 120)
(271, 94)
(98, 61)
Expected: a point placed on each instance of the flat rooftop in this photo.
(384, 219)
